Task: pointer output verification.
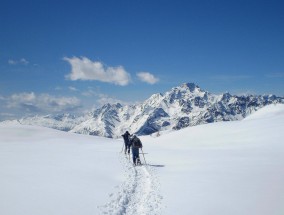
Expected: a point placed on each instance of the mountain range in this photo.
(182, 106)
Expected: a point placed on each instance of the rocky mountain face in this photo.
(182, 106)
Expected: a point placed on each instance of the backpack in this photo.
(136, 142)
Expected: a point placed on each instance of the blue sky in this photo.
(75, 55)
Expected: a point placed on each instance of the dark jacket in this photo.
(136, 142)
(126, 137)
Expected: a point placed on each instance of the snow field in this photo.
(44, 171)
(138, 194)
(221, 168)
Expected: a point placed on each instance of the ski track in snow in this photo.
(138, 194)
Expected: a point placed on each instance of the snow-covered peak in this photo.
(192, 87)
(180, 107)
(186, 88)
(105, 108)
(111, 106)
(154, 100)
(155, 96)
(184, 95)
(225, 97)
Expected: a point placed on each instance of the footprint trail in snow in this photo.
(138, 194)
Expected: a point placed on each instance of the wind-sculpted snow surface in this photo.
(138, 194)
(181, 107)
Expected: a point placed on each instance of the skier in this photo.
(135, 146)
(127, 143)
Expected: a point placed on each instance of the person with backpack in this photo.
(135, 146)
(126, 138)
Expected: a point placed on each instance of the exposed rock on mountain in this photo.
(182, 106)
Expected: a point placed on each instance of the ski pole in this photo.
(122, 148)
(143, 156)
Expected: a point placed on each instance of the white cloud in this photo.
(7, 114)
(74, 89)
(12, 62)
(89, 93)
(31, 102)
(104, 99)
(85, 69)
(147, 77)
(22, 61)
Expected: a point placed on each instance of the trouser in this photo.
(135, 154)
(127, 148)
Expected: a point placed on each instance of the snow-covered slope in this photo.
(270, 111)
(180, 107)
(221, 168)
(44, 171)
